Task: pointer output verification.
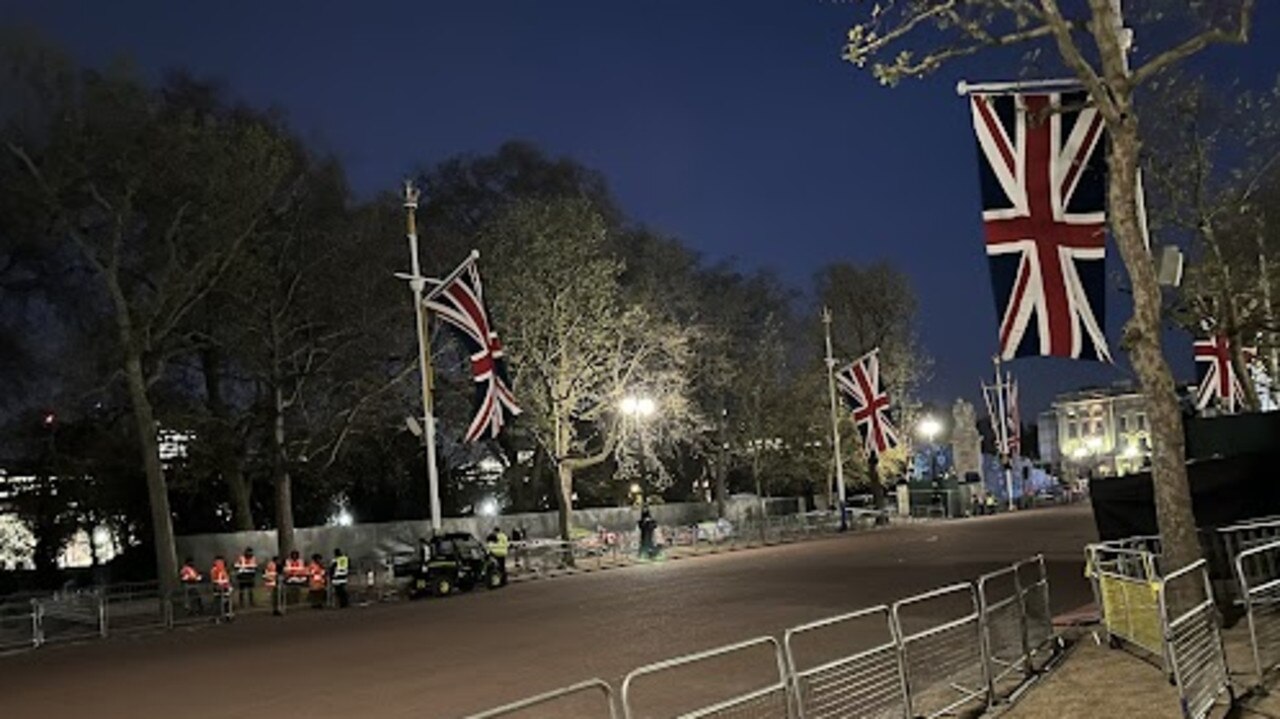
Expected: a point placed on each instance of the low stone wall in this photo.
(366, 544)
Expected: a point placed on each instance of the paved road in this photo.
(445, 658)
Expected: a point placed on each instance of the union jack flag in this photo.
(859, 383)
(1043, 181)
(460, 303)
(1218, 378)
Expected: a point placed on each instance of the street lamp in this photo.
(929, 427)
(638, 407)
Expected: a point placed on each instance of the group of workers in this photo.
(315, 576)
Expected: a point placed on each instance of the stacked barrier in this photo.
(1195, 650)
(1259, 589)
(915, 666)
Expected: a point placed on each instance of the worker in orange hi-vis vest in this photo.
(295, 577)
(317, 581)
(270, 579)
(221, 584)
(191, 579)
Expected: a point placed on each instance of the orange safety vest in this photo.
(294, 571)
(218, 575)
(246, 565)
(316, 570)
(269, 575)
(189, 575)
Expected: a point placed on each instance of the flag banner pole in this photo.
(417, 283)
(984, 88)
(437, 286)
(835, 420)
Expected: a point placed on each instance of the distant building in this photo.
(1096, 432)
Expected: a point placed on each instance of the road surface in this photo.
(450, 657)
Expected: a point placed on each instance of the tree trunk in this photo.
(230, 460)
(283, 482)
(564, 498)
(149, 446)
(1269, 319)
(722, 465)
(1142, 336)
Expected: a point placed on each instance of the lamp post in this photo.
(929, 427)
(638, 408)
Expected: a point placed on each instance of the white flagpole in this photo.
(1002, 433)
(835, 419)
(418, 283)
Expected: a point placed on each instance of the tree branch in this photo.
(1193, 45)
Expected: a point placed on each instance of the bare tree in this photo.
(1093, 44)
(576, 347)
(157, 202)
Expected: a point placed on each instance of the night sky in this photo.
(734, 125)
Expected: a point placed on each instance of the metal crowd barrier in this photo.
(19, 628)
(944, 664)
(935, 670)
(1127, 583)
(131, 608)
(771, 701)
(545, 701)
(1196, 653)
(70, 617)
(868, 683)
(1260, 591)
(1223, 545)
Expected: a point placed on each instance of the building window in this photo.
(1124, 423)
(1071, 430)
(1142, 422)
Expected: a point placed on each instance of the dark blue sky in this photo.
(733, 125)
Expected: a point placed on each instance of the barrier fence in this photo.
(1260, 590)
(1195, 649)
(867, 683)
(1126, 583)
(549, 702)
(924, 656)
(943, 662)
(1223, 546)
(769, 700)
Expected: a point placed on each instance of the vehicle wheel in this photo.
(495, 580)
(442, 587)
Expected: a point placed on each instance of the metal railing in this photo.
(944, 664)
(938, 668)
(545, 701)
(1260, 590)
(868, 683)
(19, 627)
(1223, 545)
(1195, 648)
(771, 701)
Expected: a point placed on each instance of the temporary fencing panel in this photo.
(1260, 589)
(18, 626)
(554, 703)
(70, 617)
(1128, 587)
(133, 608)
(943, 661)
(770, 701)
(1037, 617)
(1226, 544)
(197, 604)
(1004, 630)
(866, 683)
(1195, 646)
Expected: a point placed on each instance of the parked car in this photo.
(455, 561)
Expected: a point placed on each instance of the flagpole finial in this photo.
(411, 195)
(962, 88)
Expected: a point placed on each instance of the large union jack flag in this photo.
(1218, 379)
(460, 303)
(1043, 179)
(859, 384)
